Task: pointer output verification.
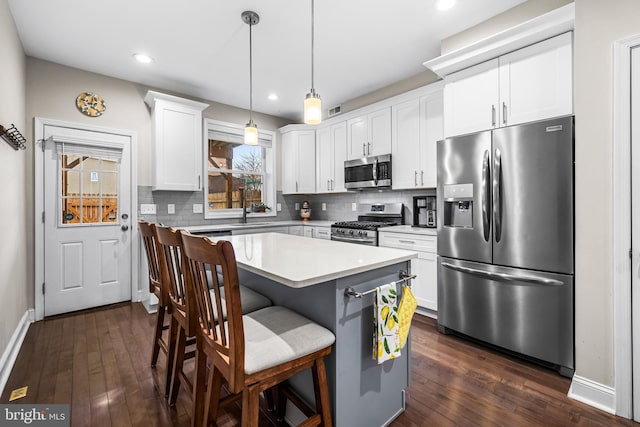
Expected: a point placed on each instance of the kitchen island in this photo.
(310, 276)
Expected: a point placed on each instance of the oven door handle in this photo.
(350, 240)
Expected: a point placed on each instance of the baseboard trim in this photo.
(13, 347)
(593, 394)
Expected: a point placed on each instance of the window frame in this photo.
(266, 139)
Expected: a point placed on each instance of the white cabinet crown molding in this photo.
(152, 97)
(550, 24)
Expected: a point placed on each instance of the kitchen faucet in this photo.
(244, 202)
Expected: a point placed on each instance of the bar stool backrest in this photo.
(169, 247)
(147, 231)
(227, 338)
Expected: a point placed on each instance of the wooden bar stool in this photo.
(183, 325)
(251, 352)
(147, 231)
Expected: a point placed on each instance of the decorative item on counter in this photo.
(13, 137)
(305, 212)
(260, 207)
(90, 104)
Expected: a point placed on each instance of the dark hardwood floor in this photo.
(98, 361)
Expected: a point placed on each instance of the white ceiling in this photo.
(201, 47)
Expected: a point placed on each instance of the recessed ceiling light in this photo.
(445, 4)
(273, 97)
(141, 57)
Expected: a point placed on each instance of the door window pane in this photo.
(88, 190)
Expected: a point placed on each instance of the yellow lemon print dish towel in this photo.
(386, 339)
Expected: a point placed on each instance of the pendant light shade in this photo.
(251, 133)
(312, 102)
(251, 129)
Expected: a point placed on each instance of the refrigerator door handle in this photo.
(486, 221)
(497, 215)
(504, 276)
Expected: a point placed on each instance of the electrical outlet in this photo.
(197, 208)
(171, 209)
(147, 209)
(297, 206)
(278, 207)
(354, 207)
(324, 206)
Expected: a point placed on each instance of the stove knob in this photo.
(351, 232)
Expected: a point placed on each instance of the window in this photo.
(237, 172)
(88, 182)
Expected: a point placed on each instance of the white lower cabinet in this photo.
(308, 231)
(296, 230)
(425, 285)
(322, 232)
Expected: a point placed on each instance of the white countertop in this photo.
(258, 224)
(298, 261)
(407, 229)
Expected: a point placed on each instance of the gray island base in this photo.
(362, 392)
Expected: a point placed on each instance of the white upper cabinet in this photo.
(416, 127)
(298, 161)
(331, 152)
(369, 135)
(529, 84)
(471, 99)
(537, 82)
(176, 136)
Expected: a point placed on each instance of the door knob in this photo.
(124, 227)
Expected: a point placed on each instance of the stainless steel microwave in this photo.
(368, 172)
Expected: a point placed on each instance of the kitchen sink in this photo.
(253, 224)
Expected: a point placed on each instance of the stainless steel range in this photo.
(364, 231)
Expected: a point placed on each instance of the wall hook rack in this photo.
(13, 137)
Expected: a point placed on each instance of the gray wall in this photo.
(15, 261)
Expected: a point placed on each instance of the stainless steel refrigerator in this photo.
(506, 239)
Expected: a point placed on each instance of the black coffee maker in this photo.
(424, 211)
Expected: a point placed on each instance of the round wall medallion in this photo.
(90, 104)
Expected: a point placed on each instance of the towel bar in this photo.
(404, 277)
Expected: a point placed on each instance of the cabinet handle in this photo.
(504, 113)
(296, 186)
(332, 185)
(415, 178)
(411, 242)
(368, 148)
(422, 178)
(493, 115)
(364, 149)
(198, 182)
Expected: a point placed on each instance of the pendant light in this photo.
(312, 102)
(251, 129)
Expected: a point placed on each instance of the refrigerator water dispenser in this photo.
(458, 205)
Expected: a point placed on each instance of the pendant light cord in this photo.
(250, 74)
(312, 43)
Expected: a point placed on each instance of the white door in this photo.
(635, 225)
(87, 224)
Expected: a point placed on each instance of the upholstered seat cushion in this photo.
(250, 300)
(276, 335)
